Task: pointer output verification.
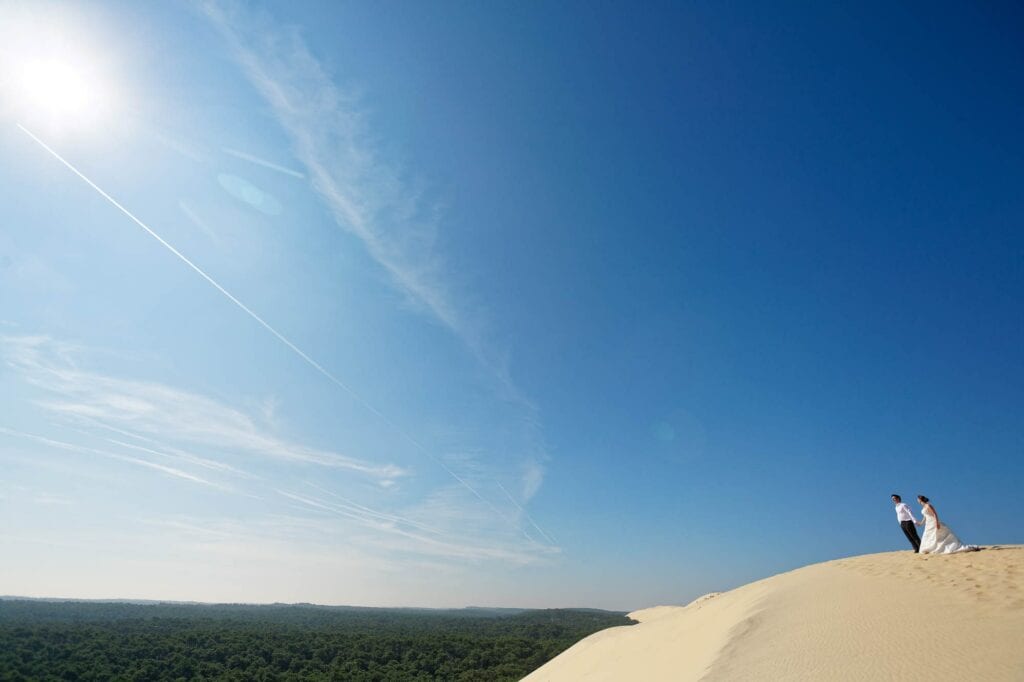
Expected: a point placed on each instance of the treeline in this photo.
(43, 640)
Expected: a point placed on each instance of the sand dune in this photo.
(896, 615)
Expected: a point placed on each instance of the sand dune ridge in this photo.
(877, 616)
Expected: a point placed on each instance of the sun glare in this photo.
(56, 72)
(56, 88)
(61, 94)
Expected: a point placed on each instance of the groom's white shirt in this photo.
(903, 512)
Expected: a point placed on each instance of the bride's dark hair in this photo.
(923, 498)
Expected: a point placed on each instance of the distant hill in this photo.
(493, 611)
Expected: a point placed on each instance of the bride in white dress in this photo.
(938, 538)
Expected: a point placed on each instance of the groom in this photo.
(907, 521)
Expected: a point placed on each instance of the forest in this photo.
(85, 640)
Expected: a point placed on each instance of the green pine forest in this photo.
(75, 640)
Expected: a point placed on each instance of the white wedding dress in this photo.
(942, 540)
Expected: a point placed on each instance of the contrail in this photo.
(266, 164)
(263, 323)
(525, 513)
(173, 453)
(374, 512)
(266, 325)
(112, 455)
(197, 221)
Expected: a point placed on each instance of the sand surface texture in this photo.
(875, 617)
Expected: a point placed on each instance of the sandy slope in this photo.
(872, 617)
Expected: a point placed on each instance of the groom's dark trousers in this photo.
(911, 533)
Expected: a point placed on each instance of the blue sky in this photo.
(561, 306)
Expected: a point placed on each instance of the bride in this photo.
(938, 538)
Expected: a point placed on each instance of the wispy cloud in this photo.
(270, 538)
(160, 411)
(144, 424)
(63, 445)
(330, 138)
(175, 453)
(53, 500)
(368, 197)
(446, 530)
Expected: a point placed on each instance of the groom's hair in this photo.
(898, 498)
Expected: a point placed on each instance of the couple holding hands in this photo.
(938, 538)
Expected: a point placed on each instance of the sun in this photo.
(54, 75)
(58, 90)
(62, 94)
